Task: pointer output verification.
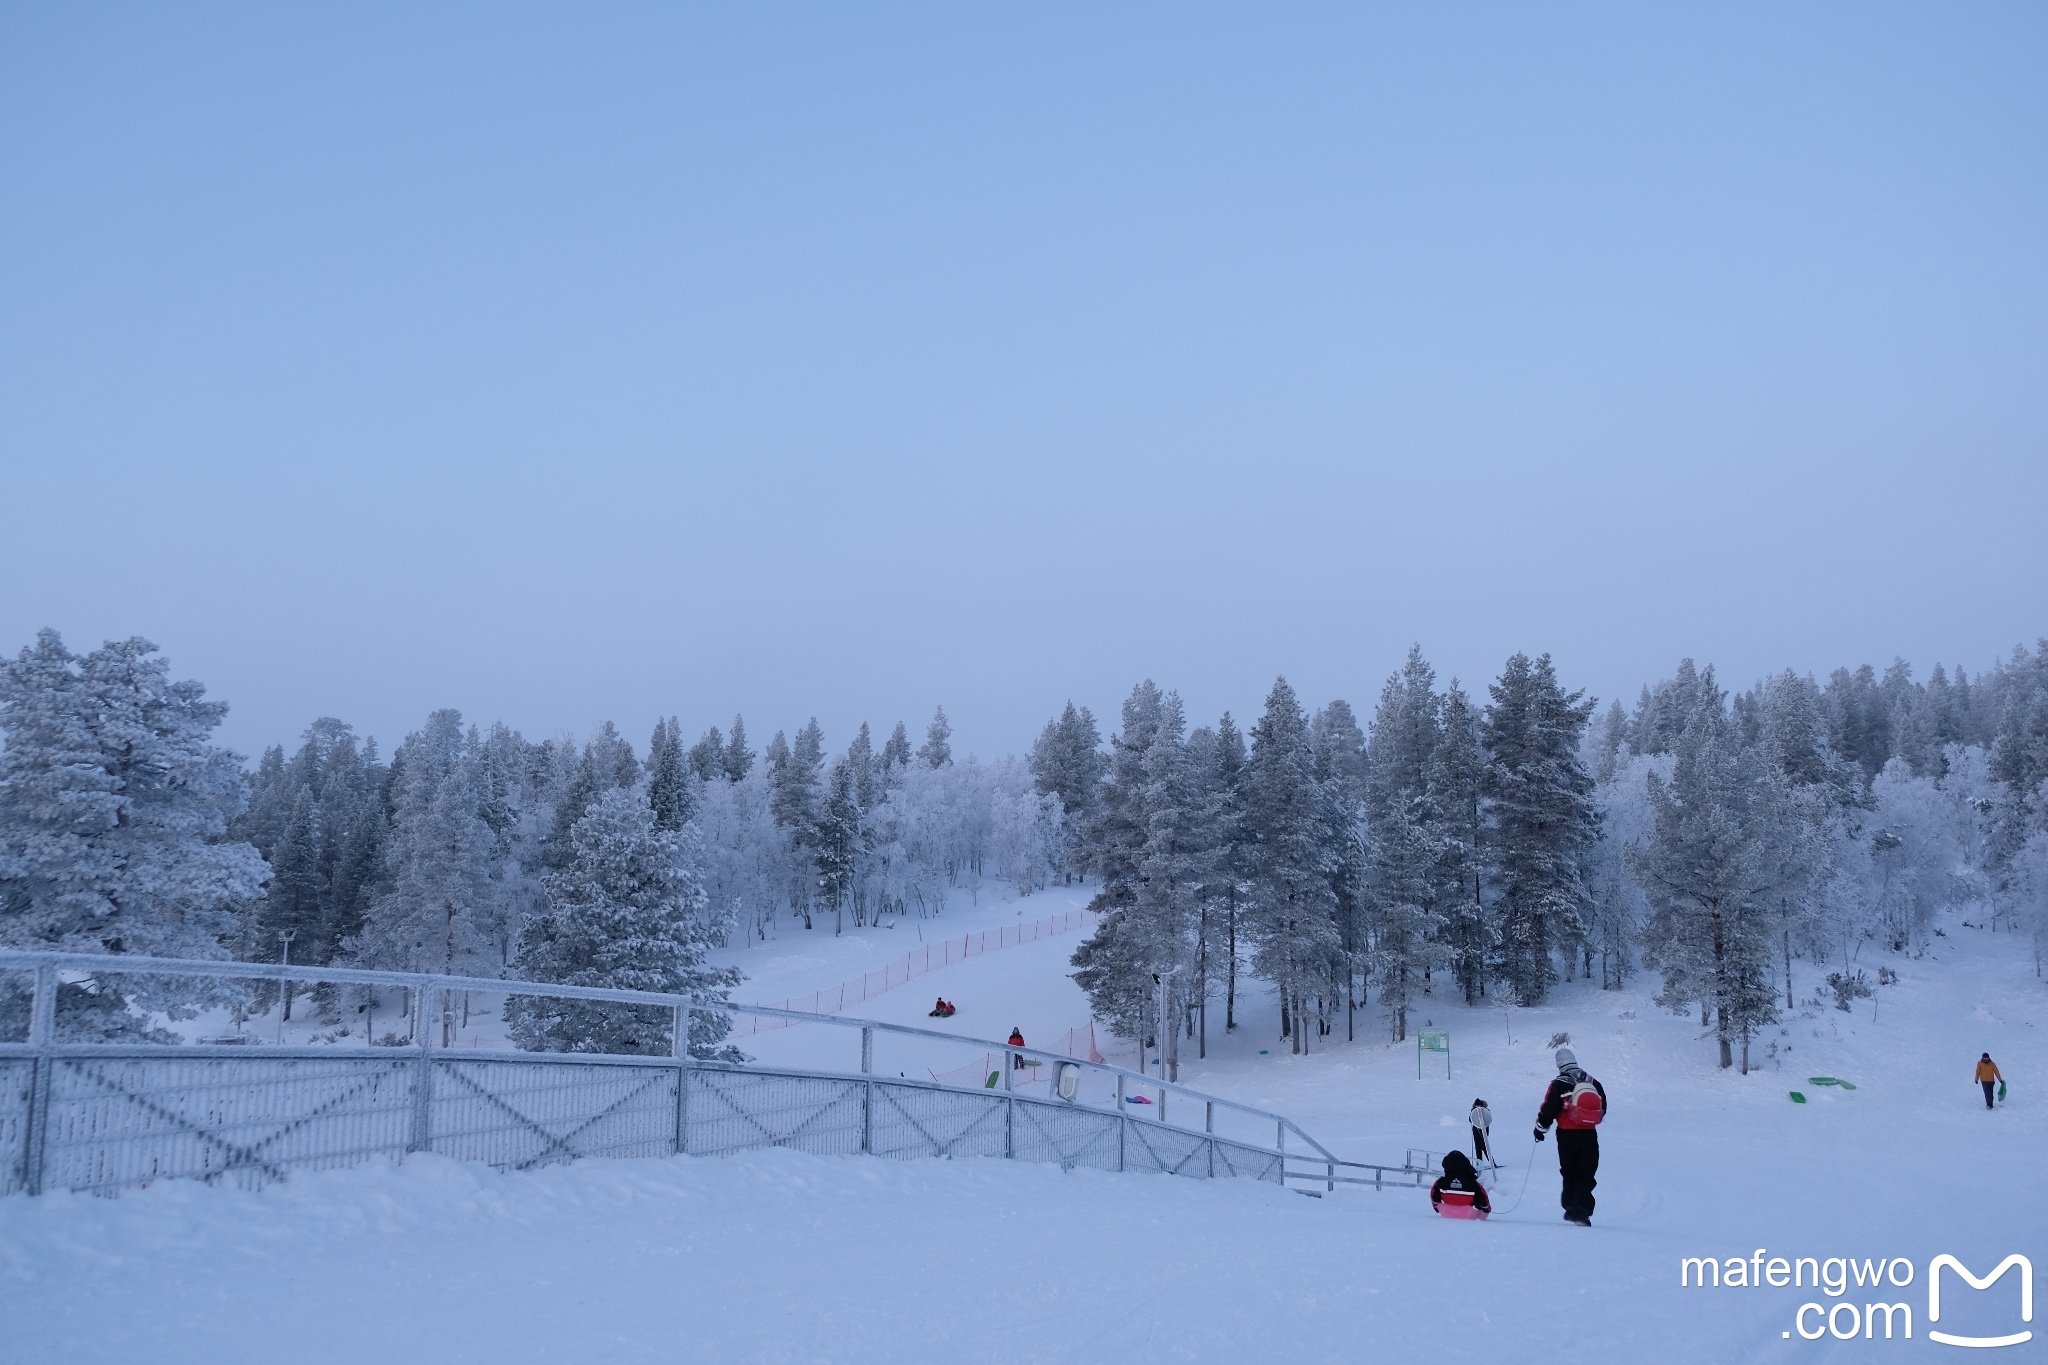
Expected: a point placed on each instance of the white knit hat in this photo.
(1566, 1057)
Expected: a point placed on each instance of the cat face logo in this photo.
(1934, 1298)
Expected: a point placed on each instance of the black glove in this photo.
(1539, 1135)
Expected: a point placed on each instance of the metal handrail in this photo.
(12, 959)
(1325, 1173)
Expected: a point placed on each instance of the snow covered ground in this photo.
(775, 1256)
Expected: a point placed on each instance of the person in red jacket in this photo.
(1457, 1192)
(1576, 1103)
(1016, 1040)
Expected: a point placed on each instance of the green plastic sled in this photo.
(1798, 1098)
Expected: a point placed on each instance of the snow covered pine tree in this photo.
(623, 913)
(113, 812)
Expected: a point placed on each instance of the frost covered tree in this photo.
(1295, 939)
(607, 762)
(114, 811)
(896, 753)
(312, 817)
(838, 840)
(1405, 895)
(1174, 867)
(1706, 879)
(623, 913)
(796, 773)
(1540, 818)
(1616, 909)
(1027, 828)
(937, 749)
(707, 756)
(1456, 775)
(743, 857)
(739, 759)
(1227, 897)
(1341, 768)
(1066, 762)
(1116, 836)
(1165, 847)
(671, 793)
(441, 905)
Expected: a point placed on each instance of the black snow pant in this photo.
(1578, 1157)
(1479, 1152)
(1987, 1093)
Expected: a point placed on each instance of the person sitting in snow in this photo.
(942, 1010)
(1457, 1192)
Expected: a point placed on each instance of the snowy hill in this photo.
(778, 1256)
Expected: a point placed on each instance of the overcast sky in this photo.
(569, 362)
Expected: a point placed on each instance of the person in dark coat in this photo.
(1457, 1192)
(1578, 1140)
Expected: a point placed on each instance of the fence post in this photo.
(42, 1031)
(867, 1051)
(1121, 1122)
(1209, 1116)
(1010, 1128)
(680, 1050)
(423, 1075)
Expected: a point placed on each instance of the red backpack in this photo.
(1583, 1107)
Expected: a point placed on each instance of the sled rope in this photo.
(1527, 1167)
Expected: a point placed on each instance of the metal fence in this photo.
(105, 1116)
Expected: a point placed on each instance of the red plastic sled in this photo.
(1458, 1204)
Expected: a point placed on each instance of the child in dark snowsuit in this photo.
(1457, 1192)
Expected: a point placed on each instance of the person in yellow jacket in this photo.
(1988, 1077)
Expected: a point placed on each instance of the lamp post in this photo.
(286, 935)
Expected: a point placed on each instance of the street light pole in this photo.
(287, 935)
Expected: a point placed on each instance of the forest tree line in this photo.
(1489, 851)
(1485, 848)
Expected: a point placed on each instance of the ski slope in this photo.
(777, 1256)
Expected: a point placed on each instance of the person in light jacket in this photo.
(1481, 1119)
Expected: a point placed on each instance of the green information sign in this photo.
(1433, 1040)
